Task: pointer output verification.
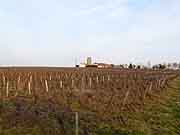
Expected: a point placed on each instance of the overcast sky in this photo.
(56, 32)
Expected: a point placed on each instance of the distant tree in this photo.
(159, 66)
(112, 65)
(121, 66)
(169, 65)
(126, 66)
(175, 65)
(162, 66)
(138, 66)
(130, 66)
(155, 67)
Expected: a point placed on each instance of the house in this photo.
(104, 65)
(82, 65)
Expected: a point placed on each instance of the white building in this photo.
(82, 65)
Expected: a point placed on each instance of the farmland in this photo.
(53, 95)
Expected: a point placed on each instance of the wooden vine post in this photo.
(46, 84)
(72, 83)
(150, 88)
(7, 89)
(125, 98)
(97, 79)
(90, 82)
(77, 123)
(61, 84)
(103, 79)
(4, 80)
(83, 82)
(29, 85)
(18, 82)
(29, 88)
(108, 78)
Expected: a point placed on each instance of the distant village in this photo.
(89, 64)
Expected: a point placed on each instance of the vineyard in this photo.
(102, 93)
